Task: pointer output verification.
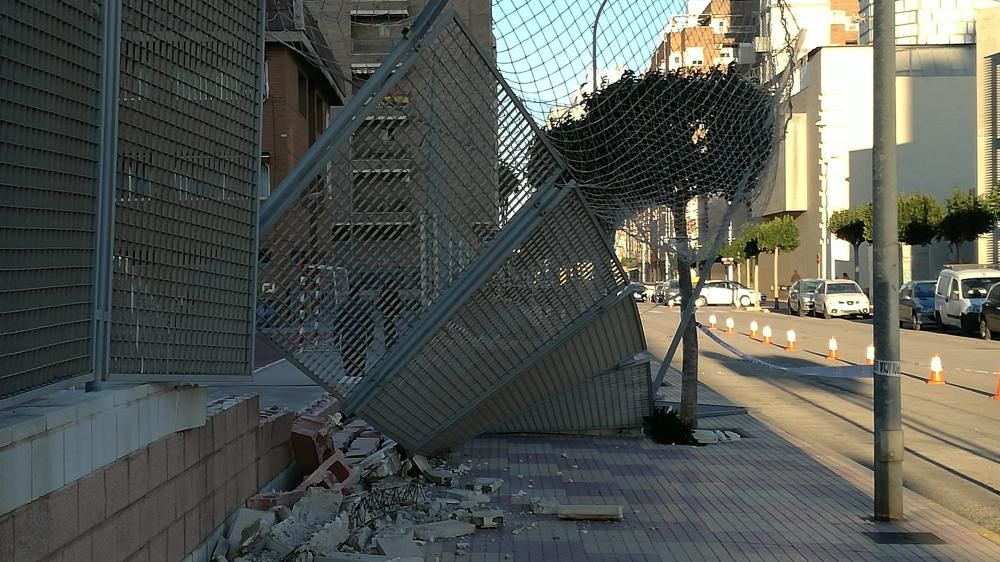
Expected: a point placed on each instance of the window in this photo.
(264, 183)
(941, 286)
(953, 292)
(266, 82)
(994, 296)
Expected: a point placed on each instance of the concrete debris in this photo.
(544, 506)
(466, 495)
(246, 525)
(705, 436)
(487, 518)
(591, 512)
(443, 530)
(318, 505)
(434, 475)
(329, 538)
(281, 512)
(485, 485)
(289, 534)
(398, 547)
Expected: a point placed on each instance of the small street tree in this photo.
(919, 219)
(967, 218)
(854, 227)
(775, 236)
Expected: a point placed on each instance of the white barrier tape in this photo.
(841, 372)
(887, 368)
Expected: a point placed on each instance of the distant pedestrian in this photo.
(796, 276)
(845, 276)
(390, 307)
(355, 332)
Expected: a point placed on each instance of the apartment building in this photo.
(928, 22)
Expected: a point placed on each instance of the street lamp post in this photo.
(593, 46)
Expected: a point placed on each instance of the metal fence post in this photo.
(106, 176)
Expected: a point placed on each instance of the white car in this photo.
(841, 298)
(727, 292)
(959, 295)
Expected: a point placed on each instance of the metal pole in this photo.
(100, 344)
(885, 217)
(593, 44)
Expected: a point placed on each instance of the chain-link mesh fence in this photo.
(48, 175)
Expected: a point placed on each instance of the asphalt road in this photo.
(951, 432)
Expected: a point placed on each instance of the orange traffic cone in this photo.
(996, 396)
(870, 355)
(937, 374)
(790, 337)
(832, 351)
(753, 329)
(730, 324)
(767, 334)
(711, 321)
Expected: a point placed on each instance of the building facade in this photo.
(928, 22)
(988, 117)
(825, 161)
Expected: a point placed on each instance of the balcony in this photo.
(374, 46)
(379, 7)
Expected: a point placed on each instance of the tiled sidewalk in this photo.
(765, 497)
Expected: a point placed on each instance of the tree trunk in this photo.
(689, 349)
(777, 287)
(857, 263)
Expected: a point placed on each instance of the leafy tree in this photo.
(991, 200)
(854, 227)
(664, 139)
(778, 235)
(919, 219)
(629, 263)
(966, 220)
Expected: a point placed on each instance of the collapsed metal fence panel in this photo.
(428, 268)
(49, 57)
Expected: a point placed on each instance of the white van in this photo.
(959, 295)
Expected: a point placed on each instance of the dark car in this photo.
(801, 296)
(916, 304)
(989, 316)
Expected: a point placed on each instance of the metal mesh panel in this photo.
(48, 168)
(595, 342)
(619, 398)
(185, 231)
(401, 211)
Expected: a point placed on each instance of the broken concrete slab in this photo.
(245, 524)
(443, 530)
(362, 447)
(705, 436)
(544, 506)
(318, 505)
(487, 518)
(437, 476)
(465, 495)
(396, 546)
(329, 538)
(289, 534)
(591, 512)
(485, 485)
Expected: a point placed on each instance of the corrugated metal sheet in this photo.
(48, 187)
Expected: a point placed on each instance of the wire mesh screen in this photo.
(542, 292)
(437, 169)
(184, 252)
(48, 168)
(617, 398)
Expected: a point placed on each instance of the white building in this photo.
(825, 162)
(929, 22)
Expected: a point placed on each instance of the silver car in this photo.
(801, 296)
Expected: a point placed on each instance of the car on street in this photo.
(841, 298)
(638, 291)
(801, 295)
(959, 295)
(916, 304)
(989, 316)
(727, 292)
(667, 292)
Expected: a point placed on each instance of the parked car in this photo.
(801, 295)
(959, 295)
(841, 298)
(667, 292)
(727, 292)
(989, 315)
(638, 291)
(916, 304)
